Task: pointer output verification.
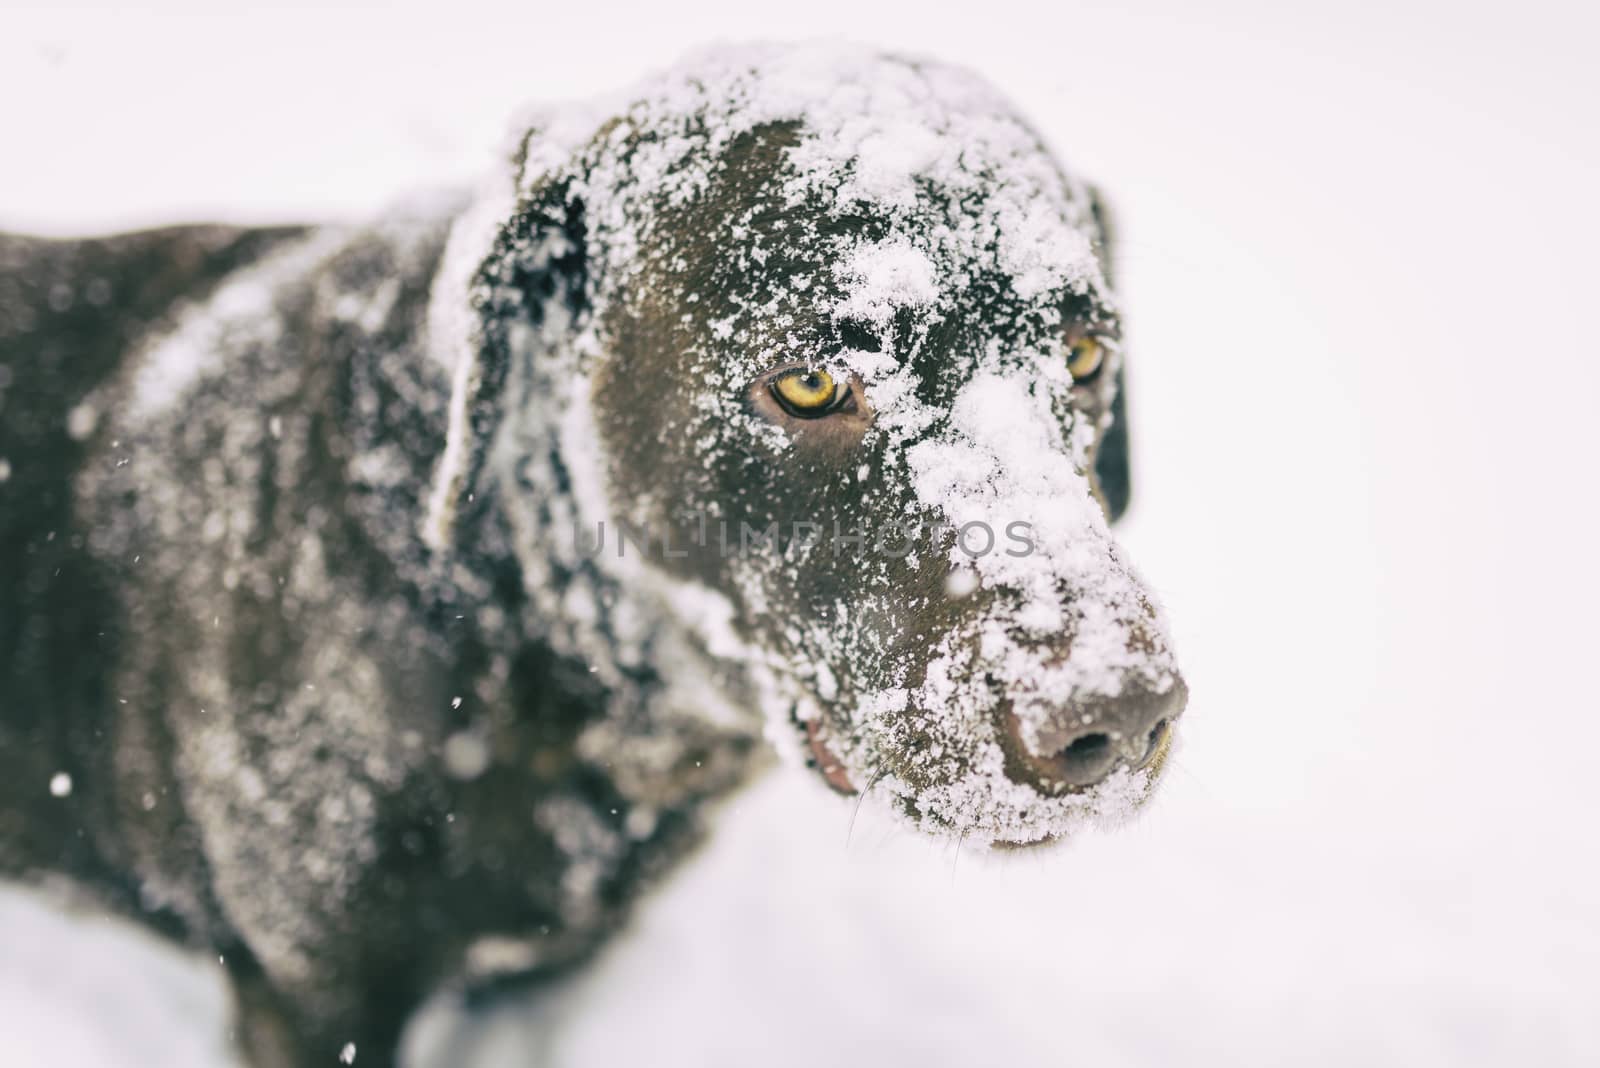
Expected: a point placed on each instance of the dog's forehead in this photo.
(791, 198)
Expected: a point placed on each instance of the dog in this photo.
(384, 605)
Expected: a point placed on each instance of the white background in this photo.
(1359, 267)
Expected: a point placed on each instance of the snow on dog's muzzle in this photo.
(1049, 699)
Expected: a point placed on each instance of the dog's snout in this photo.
(1080, 745)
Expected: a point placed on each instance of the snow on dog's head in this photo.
(791, 371)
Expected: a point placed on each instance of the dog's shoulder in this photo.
(70, 312)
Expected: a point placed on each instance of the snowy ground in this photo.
(1358, 258)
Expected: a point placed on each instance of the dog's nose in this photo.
(1082, 744)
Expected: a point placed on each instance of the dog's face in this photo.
(864, 403)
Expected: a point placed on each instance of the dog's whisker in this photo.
(1181, 767)
(856, 810)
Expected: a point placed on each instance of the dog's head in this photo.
(826, 343)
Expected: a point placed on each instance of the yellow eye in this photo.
(805, 392)
(1084, 357)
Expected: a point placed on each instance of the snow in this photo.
(466, 755)
(884, 277)
(1374, 540)
(241, 312)
(81, 421)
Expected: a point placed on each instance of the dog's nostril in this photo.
(1086, 760)
(1087, 750)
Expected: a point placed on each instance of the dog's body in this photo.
(305, 661)
(272, 761)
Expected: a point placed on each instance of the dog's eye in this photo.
(1084, 357)
(805, 392)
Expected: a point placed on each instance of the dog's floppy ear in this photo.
(517, 263)
(1112, 473)
(1111, 470)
